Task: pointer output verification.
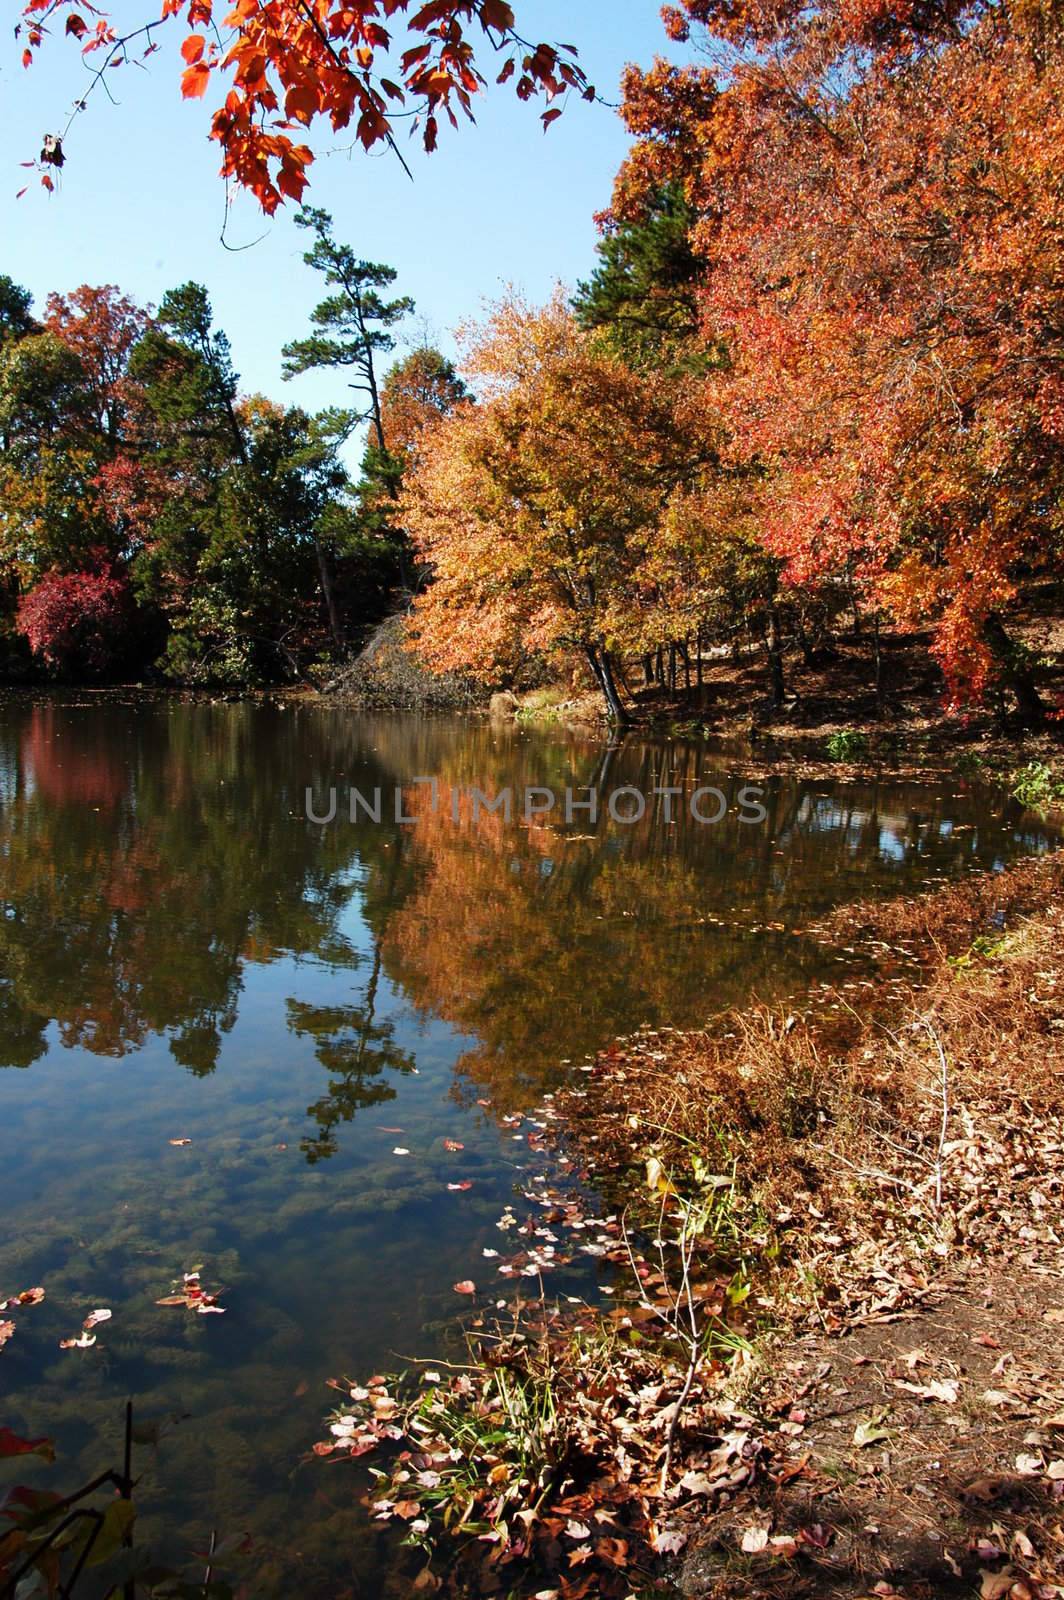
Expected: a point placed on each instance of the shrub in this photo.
(80, 624)
(846, 745)
(1037, 786)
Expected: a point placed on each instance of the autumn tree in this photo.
(82, 624)
(418, 390)
(535, 506)
(879, 222)
(281, 66)
(50, 455)
(101, 326)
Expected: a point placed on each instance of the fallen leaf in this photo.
(869, 1432)
(466, 1183)
(11, 1444)
(944, 1389)
(753, 1541)
(25, 1297)
(467, 1286)
(84, 1343)
(400, 1150)
(453, 1144)
(667, 1541)
(6, 1330)
(96, 1317)
(179, 1143)
(994, 1585)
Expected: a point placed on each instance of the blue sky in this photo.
(140, 203)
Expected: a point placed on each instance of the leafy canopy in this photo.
(278, 67)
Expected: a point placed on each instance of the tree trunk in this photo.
(774, 651)
(1015, 672)
(877, 656)
(599, 662)
(804, 643)
(330, 598)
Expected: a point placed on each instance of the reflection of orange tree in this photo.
(543, 943)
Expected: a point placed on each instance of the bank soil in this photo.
(898, 1150)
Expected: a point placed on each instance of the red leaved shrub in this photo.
(79, 623)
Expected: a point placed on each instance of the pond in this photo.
(186, 956)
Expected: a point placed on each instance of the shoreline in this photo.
(1030, 763)
(832, 1366)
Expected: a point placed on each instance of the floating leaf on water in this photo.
(11, 1444)
(467, 1286)
(83, 1343)
(96, 1317)
(6, 1330)
(25, 1297)
(180, 1143)
(400, 1150)
(453, 1144)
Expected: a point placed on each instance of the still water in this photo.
(183, 955)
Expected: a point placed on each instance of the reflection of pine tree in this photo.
(354, 1048)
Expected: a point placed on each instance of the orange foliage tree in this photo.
(536, 506)
(881, 220)
(283, 64)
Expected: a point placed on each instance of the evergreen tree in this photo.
(644, 292)
(351, 327)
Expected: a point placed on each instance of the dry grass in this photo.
(898, 1176)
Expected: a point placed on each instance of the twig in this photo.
(944, 1066)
